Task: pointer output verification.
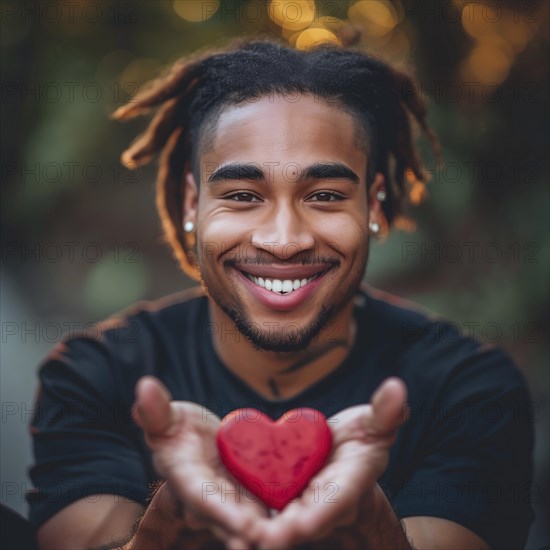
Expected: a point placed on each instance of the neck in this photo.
(281, 375)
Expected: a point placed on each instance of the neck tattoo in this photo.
(273, 387)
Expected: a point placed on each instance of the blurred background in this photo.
(80, 234)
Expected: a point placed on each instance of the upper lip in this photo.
(284, 272)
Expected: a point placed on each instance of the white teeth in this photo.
(287, 286)
(277, 285)
(280, 286)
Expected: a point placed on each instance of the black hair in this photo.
(195, 90)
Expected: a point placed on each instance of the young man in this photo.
(277, 167)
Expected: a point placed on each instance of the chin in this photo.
(295, 338)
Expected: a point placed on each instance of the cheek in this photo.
(352, 243)
(345, 233)
(216, 233)
(219, 233)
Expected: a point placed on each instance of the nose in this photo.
(283, 232)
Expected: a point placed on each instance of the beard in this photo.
(289, 337)
(285, 339)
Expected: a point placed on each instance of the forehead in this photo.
(276, 128)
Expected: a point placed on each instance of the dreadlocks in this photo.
(194, 91)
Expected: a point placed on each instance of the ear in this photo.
(189, 214)
(190, 198)
(376, 213)
(375, 208)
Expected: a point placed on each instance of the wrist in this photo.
(372, 504)
(380, 525)
(162, 521)
(170, 507)
(374, 525)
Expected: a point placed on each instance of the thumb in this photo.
(152, 410)
(389, 407)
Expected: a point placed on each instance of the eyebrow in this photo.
(316, 171)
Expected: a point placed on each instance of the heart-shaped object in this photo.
(274, 460)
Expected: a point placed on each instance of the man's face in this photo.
(282, 203)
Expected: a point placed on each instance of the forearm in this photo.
(163, 527)
(376, 526)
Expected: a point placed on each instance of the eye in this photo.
(326, 196)
(243, 197)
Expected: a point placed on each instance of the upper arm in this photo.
(88, 523)
(473, 464)
(85, 445)
(427, 533)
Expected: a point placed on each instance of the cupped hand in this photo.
(362, 438)
(182, 437)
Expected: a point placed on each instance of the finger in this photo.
(290, 530)
(227, 528)
(219, 502)
(194, 521)
(329, 502)
(236, 527)
(153, 411)
(220, 533)
(389, 407)
(237, 543)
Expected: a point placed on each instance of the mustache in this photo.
(261, 259)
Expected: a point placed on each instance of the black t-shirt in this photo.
(465, 454)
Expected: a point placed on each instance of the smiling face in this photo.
(282, 217)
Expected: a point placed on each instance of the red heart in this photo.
(274, 460)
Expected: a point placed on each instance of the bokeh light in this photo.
(196, 11)
(500, 32)
(377, 17)
(397, 49)
(478, 20)
(489, 64)
(313, 37)
(292, 15)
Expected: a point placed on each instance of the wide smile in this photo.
(279, 286)
(283, 292)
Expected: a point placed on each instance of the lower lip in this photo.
(282, 302)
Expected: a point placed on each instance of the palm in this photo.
(362, 437)
(188, 456)
(182, 436)
(342, 480)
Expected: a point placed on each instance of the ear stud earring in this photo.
(381, 196)
(189, 227)
(374, 227)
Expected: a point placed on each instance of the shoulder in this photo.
(470, 429)
(435, 352)
(180, 306)
(133, 324)
(115, 352)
